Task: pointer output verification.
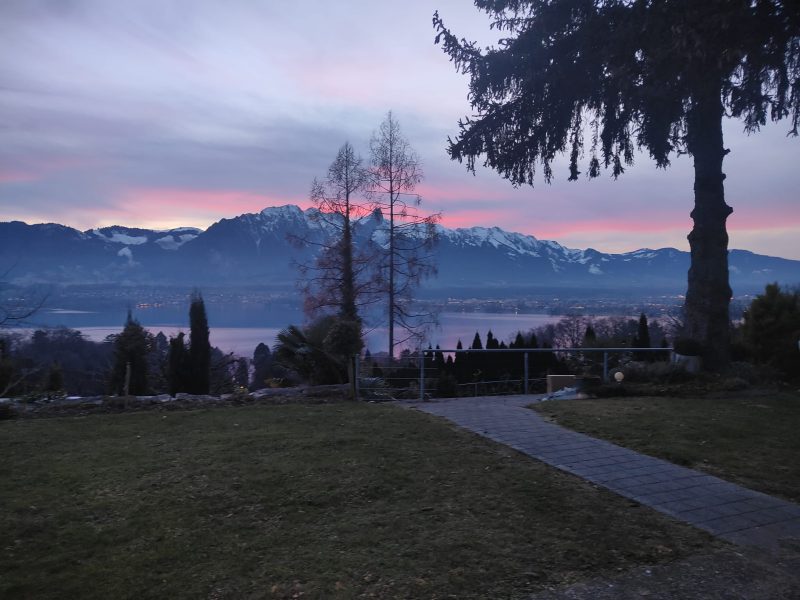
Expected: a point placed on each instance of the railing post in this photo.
(525, 384)
(421, 375)
(357, 376)
(605, 367)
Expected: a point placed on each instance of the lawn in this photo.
(749, 438)
(342, 500)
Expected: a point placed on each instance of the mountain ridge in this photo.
(254, 247)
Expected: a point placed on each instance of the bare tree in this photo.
(16, 308)
(409, 236)
(569, 331)
(341, 276)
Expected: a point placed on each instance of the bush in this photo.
(7, 411)
(771, 330)
(610, 390)
(446, 386)
(688, 347)
(343, 338)
(318, 353)
(656, 372)
(752, 374)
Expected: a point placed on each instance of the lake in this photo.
(453, 326)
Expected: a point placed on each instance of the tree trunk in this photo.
(348, 308)
(391, 273)
(709, 293)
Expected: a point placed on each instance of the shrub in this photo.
(688, 347)
(446, 386)
(318, 353)
(660, 372)
(343, 338)
(7, 411)
(771, 329)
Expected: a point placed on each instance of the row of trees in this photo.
(188, 369)
(349, 276)
(58, 361)
(768, 336)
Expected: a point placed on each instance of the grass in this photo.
(748, 438)
(346, 500)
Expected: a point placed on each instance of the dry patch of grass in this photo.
(346, 500)
(748, 438)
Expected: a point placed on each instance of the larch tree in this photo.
(395, 172)
(617, 75)
(339, 276)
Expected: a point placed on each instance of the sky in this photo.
(167, 113)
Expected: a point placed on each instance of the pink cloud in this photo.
(471, 218)
(171, 207)
(38, 168)
(747, 219)
(16, 176)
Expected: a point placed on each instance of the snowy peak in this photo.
(170, 239)
(287, 211)
(175, 238)
(491, 236)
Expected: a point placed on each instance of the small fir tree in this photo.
(131, 348)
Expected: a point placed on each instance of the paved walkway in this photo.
(724, 509)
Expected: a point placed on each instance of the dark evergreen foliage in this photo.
(222, 372)
(303, 351)
(476, 342)
(590, 337)
(54, 380)
(84, 365)
(178, 365)
(159, 362)
(642, 340)
(658, 75)
(439, 363)
(771, 329)
(199, 381)
(262, 367)
(131, 347)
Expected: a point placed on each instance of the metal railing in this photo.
(414, 378)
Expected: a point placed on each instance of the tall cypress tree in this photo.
(199, 347)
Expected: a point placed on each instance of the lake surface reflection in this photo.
(452, 328)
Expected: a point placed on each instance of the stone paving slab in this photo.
(726, 510)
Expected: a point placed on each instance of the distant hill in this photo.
(254, 248)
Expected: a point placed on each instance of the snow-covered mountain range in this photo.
(255, 248)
